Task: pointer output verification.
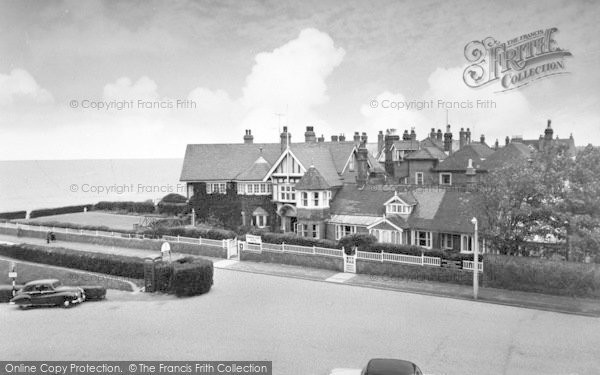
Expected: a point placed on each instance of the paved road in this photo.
(305, 328)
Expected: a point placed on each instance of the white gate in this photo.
(232, 248)
(350, 262)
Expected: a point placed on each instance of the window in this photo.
(261, 221)
(445, 178)
(419, 178)
(423, 239)
(344, 230)
(387, 236)
(287, 193)
(220, 188)
(466, 243)
(316, 199)
(447, 241)
(263, 188)
(396, 208)
(302, 230)
(315, 231)
(305, 199)
(250, 189)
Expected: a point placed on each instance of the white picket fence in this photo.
(468, 265)
(400, 258)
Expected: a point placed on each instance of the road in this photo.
(306, 327)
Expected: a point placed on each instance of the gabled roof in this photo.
(312, 180)
(428, 153)
(435, 210)
(459, 160)
(256, 171)
(407, 145)
(206, 162)
(509, 154)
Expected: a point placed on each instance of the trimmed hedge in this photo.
(215, 234)
(187, 276)
(293, 239)
(417, 250)
(542, 275)
(13, 215)
(59, 210)
(110, 264)
(60, 224)
(146, 207)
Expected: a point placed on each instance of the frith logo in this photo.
(516, 62)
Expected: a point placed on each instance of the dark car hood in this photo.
(67, 289)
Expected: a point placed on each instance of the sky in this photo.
(142, 79)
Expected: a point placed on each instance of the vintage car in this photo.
(48, 292)
(382, 366)
(93, 292)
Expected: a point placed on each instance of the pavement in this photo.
(561, 304)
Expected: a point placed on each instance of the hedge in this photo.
(417, 250)
(59, 210)
(173, 198)
(215, 234)
(110, 264)
(128, 206)
(187, 276)
(60, 224)
(542, 275)
(293, 239)
(174, 209)
(13, 215)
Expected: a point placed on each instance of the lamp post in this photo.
(475, 259)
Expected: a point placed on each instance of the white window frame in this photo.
(466, 243)
(315, 199)
(261, 221)
(397, 208)
(427, 239)
(419, 178)
(449, 179)
(446, 241)
(216, 187)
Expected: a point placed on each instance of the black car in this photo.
(48, 292)
(382, 366)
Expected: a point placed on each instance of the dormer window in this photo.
(398, 208)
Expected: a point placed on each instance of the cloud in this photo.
(388, 114)
(19, 87)
(124, 89)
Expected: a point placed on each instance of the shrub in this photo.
(215, 234)
(187, 276)
(359, 240)
(13, 215)
(173, 209)
(173, 198)
(6, 292)
(110, 264)
(145, 207)
(60, 224)
(293, 239)
(59, 210)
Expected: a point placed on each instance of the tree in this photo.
(520, 200)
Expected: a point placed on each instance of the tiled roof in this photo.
(459, 160)
(206, 162)
(406, 145)
(225, 162)
(507, 155)
(436, 210)
(256, 172)
(312, 180)
(428, 153)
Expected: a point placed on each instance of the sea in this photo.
(34, 184)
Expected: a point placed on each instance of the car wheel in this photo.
(66, 303)
(24, 307)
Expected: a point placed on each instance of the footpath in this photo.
(561, 304)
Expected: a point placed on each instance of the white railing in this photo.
(400, 258)
(468, 265)
(328, 252)
(196, 241)
(271, 247)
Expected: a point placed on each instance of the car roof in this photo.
(388, 366)
(42, 281)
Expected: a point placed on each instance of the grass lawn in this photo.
(35, 271)
(95, 218)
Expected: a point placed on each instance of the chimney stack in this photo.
(507, 140)
(356, 138)
(334, 138)
(413, 135)
(362, 155)
(363, 138)
(389, 140)
(321, 139)
(248, 137)
(285, 138)
(448, 140)
(548, 132)
(439, 136)
(496, 145)
(462, 138)
(380, 142)
(482, 139)
(468, 134)
(432, 134)
(309, 135)
(342, 138)
(406, 136)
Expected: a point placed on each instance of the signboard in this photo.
(12, 275)
(13, 270)
(253, 240)
(165, 248)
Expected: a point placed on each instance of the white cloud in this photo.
(19, 87)
(390, 114)
(124, 89)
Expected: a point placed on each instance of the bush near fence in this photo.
(173, 209)
(417, 250)
(213, 234)
(59, 210)
(293, 239)
(187, 276)
(306, 260)
(110, 264)
(145, 207)
(13, 215)
(542, 275)
(6, 292)
(173, 198)
(400, 271)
